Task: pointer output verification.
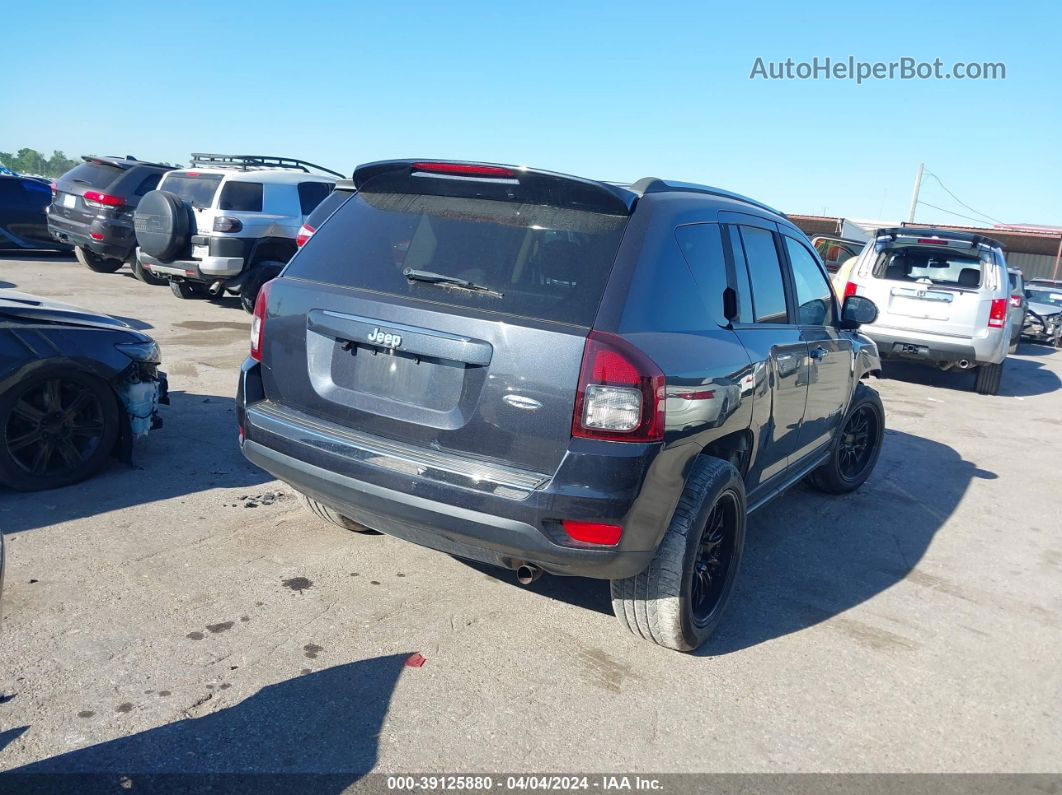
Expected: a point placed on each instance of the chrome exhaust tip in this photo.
(527, 573)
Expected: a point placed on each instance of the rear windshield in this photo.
(937, 267)
(92, 175)
(546, 262)
(196, 189)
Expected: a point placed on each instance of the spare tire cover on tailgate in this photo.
(163, 225)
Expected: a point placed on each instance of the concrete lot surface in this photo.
(188, 614)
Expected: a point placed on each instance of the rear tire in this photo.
(851, 462)
(187, 290)
(326, 513)
(679, 600)
(988, 378)
(94, 262)
(146, 276)
(262, 273)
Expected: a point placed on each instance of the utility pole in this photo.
(914, 195)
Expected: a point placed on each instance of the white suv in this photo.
(942, 298)
(229, 223)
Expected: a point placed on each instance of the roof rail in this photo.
(656, 185)
(248, 162)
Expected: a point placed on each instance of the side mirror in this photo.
(857, 311)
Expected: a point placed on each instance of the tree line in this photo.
(30, 161)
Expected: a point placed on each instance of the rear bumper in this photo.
(208, 269)
(503, 527)
(116, 239)
(934, 348)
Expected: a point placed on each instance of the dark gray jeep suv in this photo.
(556, 374)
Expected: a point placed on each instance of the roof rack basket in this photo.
(249, 162)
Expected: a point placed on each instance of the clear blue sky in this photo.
(612, 90)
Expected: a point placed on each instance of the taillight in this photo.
(607, 535)
(997, 315)
(55, 188)
(225, 224)
(94, 199)
(258, 321)
(931, 241)
(305, 233)
(851, 288)
(620, 394)
(1015, 300)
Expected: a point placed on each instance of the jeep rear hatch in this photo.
(446, 305)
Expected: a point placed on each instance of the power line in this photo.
(960, 201)
(952, 212)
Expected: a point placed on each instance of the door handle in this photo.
(817, 353)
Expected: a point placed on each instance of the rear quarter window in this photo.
(245, 197)
(702, 246)
(312, 194)
(548, 263)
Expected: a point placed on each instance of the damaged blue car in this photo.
(76, 389)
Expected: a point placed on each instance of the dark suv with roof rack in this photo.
(92, 209)
(554, 374)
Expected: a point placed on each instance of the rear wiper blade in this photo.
(453, 281)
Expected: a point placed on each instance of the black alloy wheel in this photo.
(715, 557)
(857, 443)
(54, 429)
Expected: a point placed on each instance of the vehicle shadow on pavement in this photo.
(809, 556)
(581, 592)
(316, 732)
(1021, 377)
(1036, 349)
(195, 450)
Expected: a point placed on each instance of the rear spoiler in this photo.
(121, 162)
(944, 236)
(491, 181)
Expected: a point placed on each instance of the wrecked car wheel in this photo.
(57, 427)
(337, 519)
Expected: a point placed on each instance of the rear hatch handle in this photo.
(396, 336)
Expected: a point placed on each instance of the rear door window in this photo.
(533, 260)
(242, 197)
(311, 194)
(765, 275)
(196, 189)
(92, 174)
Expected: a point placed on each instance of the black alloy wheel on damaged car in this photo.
(57, 427)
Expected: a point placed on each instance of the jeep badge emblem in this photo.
(385, 340)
